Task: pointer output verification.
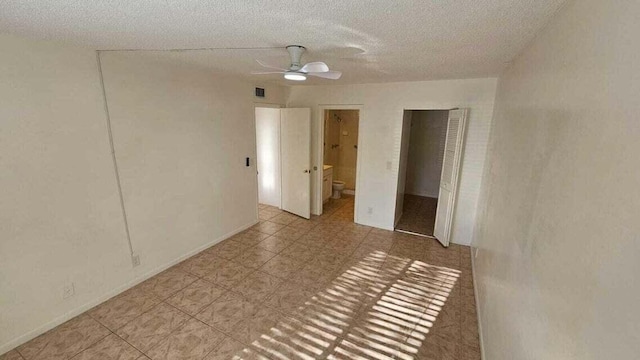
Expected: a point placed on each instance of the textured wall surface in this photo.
(558, 237)
(380, 131)
(181, 135)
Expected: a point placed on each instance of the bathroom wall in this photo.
(426, 150)
(341, 128)
(331, 139)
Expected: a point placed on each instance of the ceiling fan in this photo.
(299, 72)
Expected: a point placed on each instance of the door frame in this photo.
(444, 108)
(255, 147)
(320, 153)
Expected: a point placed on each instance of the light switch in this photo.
(388, 165)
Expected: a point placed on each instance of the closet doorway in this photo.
(431, 148)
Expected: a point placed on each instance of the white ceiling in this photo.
(370, 41)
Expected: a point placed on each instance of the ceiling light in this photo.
(295, 76)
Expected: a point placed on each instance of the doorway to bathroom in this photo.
(340, 130)
(430, 151)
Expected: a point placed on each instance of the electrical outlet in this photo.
(68, 290)
(370, 210)
(135, 260)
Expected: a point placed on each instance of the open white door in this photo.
(449, 177)
(268, 155)
(295, 155)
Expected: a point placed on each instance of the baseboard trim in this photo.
(395, 224)
(475, 294)
(11, 344)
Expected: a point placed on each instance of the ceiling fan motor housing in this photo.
(295, 51)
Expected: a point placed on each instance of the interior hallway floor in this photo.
(418, 214)
(288, 288)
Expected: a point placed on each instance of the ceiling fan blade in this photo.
(315, 67)
(333, 75)
(266, 72)
(270, 66)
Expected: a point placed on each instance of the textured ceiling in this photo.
(370, 41)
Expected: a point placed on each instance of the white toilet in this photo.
(338, 186)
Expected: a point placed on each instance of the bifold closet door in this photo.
(449, 176)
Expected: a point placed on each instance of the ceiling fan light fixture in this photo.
(295, 76)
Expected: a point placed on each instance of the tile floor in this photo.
(288, 288)
(418, 214)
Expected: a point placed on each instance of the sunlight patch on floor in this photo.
(380, 308)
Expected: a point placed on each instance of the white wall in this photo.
(180, 135)
(268, 155)
(380, 132)
(558, 244)
(426, 151)
(60, 214)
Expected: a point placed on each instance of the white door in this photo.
(449, 177)
(268, 155)
(295, 155)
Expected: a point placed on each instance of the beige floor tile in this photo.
(151, 327)
(227, 249)
(123, 308)
(299, 251)
(281, 266)
(200, 264)
(64, 341)
(284, 219)
(250, 237)
(294, 339)
(291, 233)
(167, 283)
(268, 227)
(196, 296)
(303, 224)
(228, 274)
(311, 278)
(289, 297)
(193, 341)
(257, 286)
(230, 349)
(226, 311)
(254, 257)
(319, 288)
(275, 243)
(110, 348)
(11, 355)
(256, 326)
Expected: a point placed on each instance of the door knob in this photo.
(306, 171)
